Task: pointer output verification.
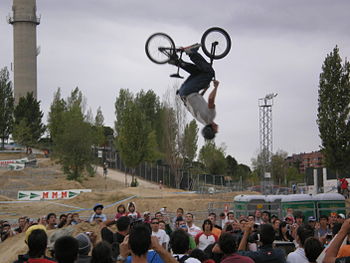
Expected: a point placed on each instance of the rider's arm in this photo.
(212, 95)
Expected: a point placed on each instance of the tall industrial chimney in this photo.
(24, 21)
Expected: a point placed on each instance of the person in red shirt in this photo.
(205, 238)
(344, 186)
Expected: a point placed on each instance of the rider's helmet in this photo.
(208, 132)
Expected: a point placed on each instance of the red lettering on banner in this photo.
(64, 194)
(54, 195)
(45, 195)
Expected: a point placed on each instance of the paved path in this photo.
(120, 176)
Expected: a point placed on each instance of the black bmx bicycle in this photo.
(215, 43)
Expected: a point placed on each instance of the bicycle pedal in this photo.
(176, 75)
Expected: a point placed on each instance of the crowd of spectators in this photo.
(155, 237)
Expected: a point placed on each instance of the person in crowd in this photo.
(51, 221)
(207, 237)
(312, 221)
(62, 221)
(121, 211)
(66, 249)
(290, 215)
(132, 211)
(231, 217)
(181, 224)
(222, 219)
(265, 253)
(36, 240)
(332, 219)
(84, 247)
(323, 230)
(313, 248)
(216, 229)
(162, 225)
(298, 256)
(161, 217)
(227, 246)
(115, 239)
(340, 218)
(299, 218)
(251, 218)
(75, 219)
(147, 217)
(180, 245)
(22, 225)
(179, 213)
(193, 230)
(98, 216)
(333, 248)
(276, 227)
(157, 232)
(344, 250)
(265, 217)
(258, 219)
(284, 232)
(6, 231)
(102, 253)
(138, 243)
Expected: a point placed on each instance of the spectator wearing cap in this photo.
(340, 218)
(97, 215)
(84, 247)
(36, 240)
(312, 221)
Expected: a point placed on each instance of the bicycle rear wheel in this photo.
(218, 36)
(159, 47)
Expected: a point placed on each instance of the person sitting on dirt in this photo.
(97, 215)
(132, 213)
(201, 74)
(51, 221)
(36, 239)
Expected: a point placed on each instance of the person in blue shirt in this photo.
(97, 215)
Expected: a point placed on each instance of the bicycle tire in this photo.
(222, 37)
(154, 42)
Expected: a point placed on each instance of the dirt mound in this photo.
(4, 198)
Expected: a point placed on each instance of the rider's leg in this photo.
(201, 63)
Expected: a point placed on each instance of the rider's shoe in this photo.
(174, 59)
(191, 49)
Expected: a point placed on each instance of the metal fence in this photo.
(162, 173)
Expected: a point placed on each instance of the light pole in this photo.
(265, 131)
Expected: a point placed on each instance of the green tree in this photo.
(232, 166)
(28, 113)
(100, 138)
(333, 112)
(55, 118)
(6, 106)
(73, 143)
(213, 158)
(278, 167)
(190, 140)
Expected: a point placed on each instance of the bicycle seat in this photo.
(176, 75)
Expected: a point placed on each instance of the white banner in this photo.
(7, 163)
(50, 194)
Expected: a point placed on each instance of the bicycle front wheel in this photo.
(220, 39)
(159, 47)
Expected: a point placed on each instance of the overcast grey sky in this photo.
(278, 46)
